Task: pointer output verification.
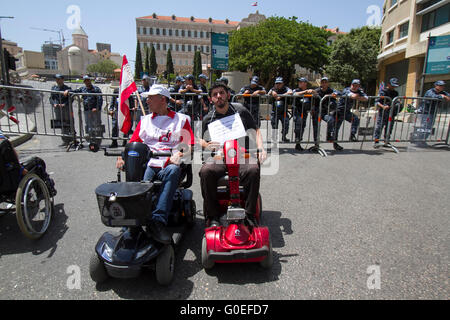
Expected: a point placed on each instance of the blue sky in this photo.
(114, 21)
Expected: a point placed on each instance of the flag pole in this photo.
(140, 103)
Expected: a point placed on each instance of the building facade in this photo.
(184, 36)
(406, 26)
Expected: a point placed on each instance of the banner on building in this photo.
(438, 61)
(220, 51)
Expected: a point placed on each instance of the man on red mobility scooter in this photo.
(230, 187)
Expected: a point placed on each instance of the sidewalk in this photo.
(17, 133)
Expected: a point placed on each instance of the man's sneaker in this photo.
(299, 147)
(377, 144)
(214, 223)
(159, 232)
(113, 144)
(353, 138)
(285, 140)
(124, 143)
(337, 147)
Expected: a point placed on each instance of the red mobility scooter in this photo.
(238, 239)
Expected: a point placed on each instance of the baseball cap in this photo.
(189, 77)
(356, 81)
(255, 80)
(325, 79)
(302, 79)
(224, 80)
(439, 83)
(394, 82)
(157, 89)
(87, 77)
(202, 76)
(59, 76)
(146, 77)
(179, 78)
(279, 80)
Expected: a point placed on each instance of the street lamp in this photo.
(2, 55)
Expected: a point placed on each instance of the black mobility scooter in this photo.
(129, 205)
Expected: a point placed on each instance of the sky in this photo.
(114, 22)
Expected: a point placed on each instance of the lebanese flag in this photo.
(127, 88)
(255, 4)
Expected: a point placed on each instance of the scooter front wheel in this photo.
(206, 264)
(165, 266)
(268, 261)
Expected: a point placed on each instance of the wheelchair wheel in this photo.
(34, 206)
(165, 266)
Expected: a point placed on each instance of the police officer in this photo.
(428, 109)
(61, 107)
(225, 81)
(176, 102)
(204, 100)
(92, 106)
(384, 111)
(349, 97)
(302, 108)
(329, 105)
(191, 103)
(279, 109)
(252, 103)
(147, 82)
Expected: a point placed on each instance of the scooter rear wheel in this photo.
(268, 261)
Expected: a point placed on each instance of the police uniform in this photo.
(329, 106)
(384, 115)
(253, 103)
(139, 113)
(344, 112)
(191, 103)
(428, 110)
(280, 112)
(64, 114)
(114, 109)
(302, 108)
(93, 119)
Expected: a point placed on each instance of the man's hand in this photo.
(120, 163)
(262, 156)
(212, 146)
(176, 158)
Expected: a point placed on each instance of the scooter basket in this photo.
(127, 204)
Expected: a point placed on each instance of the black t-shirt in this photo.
(246, 117)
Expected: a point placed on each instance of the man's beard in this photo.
(221, 104)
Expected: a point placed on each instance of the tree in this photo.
(169, 63)
(104, 68)
(273, 47)
(138, 64)
(147, 61)
(354, 56)
(198, 69)
(153, 64)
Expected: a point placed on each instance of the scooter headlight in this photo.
(107, 252)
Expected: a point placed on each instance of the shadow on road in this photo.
(12, 241)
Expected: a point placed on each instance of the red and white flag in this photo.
(127, 88)
(255, 4)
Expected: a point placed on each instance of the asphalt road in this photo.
(331, 220)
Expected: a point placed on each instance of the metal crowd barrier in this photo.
(29, 110)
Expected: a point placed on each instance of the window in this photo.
(157, 31)
(158, 47)
(177, 34)
(390, 37)
(189, 33)
(177, 48)
(144, 31)
(393, 3)
(189, 48)
(201, 34)
(164, 32)
(403, 32)
(436, 18)
(170, 32)
(207, 49)
(182, 33)
(183, 48)
(164, 47)
(195, 34)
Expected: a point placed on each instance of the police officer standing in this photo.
(329, 105)
(279, 109)
(428, 110)
(113, 110)
(176, 103)
(146, 84)
(302, 108)
(62, 109)
(92, 107)
(252, 103)
(349, 97)
(204, 100)
(191, 102)
(384, 111)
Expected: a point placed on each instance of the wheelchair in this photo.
(30, 195)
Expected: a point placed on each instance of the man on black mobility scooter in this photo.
(162, 131)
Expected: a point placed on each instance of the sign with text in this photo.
(438, 55)
(220, 51)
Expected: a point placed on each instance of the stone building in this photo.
(184, 36)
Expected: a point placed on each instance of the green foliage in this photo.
(273, 48)
(147, 61)
(138, 64)
(197, 64)
(169, 64)
(103, 67)
(153, 65)
(354, 56)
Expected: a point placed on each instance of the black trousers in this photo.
(210, 173)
